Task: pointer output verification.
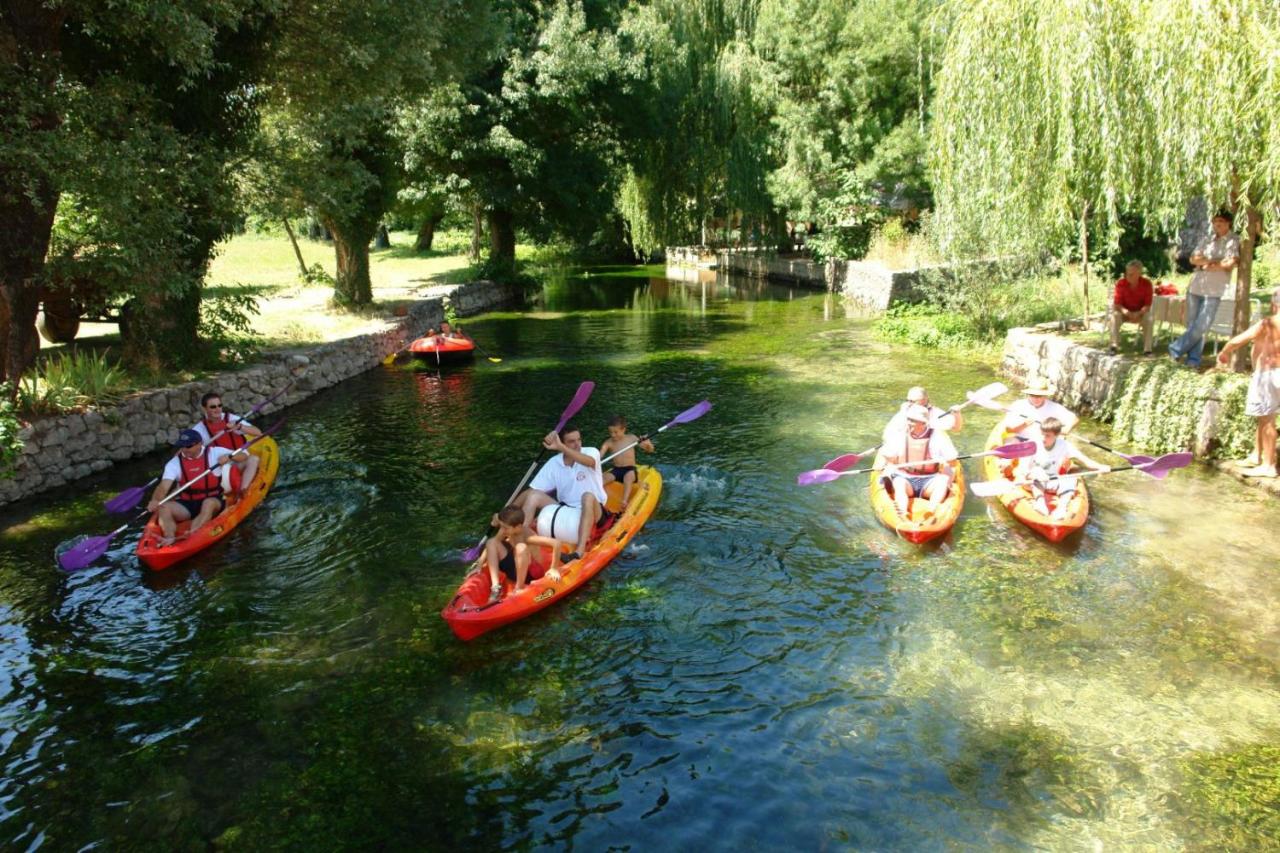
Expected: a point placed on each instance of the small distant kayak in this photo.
(469, 614)
(1021, 501)
(443, 350)
(918, 528)
(158, 557)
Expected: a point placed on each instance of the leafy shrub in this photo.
(1158, 406)
(10, 444)
(316, 274)
(226, 326)
(72, 381)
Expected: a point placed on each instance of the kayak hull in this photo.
(443, 350)
(470, 615)
(159, 557)
(1020, 502)
(917, 528)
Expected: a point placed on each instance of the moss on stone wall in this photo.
(1159, 405)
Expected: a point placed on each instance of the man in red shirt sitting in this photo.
(1132, 304)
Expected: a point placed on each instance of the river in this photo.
(764, 667)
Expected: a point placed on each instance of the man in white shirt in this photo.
(1025, 416)
(1214, 260)
(575, 477)
(904, 451)
(196, 467)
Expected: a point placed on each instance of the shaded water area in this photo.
(765, 667)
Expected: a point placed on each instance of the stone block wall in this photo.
(58, 450)
(1080, 376)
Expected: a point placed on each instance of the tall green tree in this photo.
(341, 76)
(74, 75)
(851, 85)
(1046, 113)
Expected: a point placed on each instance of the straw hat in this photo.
(1037, 391)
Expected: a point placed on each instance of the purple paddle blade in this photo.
(579, 400)
(127, 500)
(1160, 468)
(86, 552)
(1018, 450)
(820, 475)
(1137, 461)
(471, 554)
(691, 414)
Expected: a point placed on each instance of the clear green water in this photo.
(764, 668)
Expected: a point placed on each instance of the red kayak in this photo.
(442, 350)
(469, 614)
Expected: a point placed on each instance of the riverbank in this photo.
(61, 449)
(1151, 403)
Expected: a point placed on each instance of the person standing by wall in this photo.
(1214, 260)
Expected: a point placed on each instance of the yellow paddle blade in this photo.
(495, 360)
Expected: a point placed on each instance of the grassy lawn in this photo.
(296, 313)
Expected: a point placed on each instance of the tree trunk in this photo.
(293, 239)
(427, 234)
(351, 286)
(1244, 281)
(160, 329)
(382, 240)
(477, 231)
(502, 240)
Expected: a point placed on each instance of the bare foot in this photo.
(164, 541)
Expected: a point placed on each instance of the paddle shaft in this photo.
(993, 452)
(1097, 444)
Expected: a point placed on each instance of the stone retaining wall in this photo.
(1080, 376)
(871, 284)
(59, 450)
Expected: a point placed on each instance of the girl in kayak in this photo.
(511, 552)
(1051, 461)
(624, 464)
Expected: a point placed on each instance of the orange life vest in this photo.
(230, 440)
(207, 486)
(920, 446)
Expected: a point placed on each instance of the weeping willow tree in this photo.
(1045, 113)
(698, 136)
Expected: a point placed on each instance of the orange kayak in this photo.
(158, 557)
(917, 527)
(469, 614)
(443, 350)
(1021, 501)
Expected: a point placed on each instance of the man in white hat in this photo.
(1024, 416)
(1263, 399)
(920, 442)
(939, 418)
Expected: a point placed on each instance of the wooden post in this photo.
(1244, 283)
(293, 238)
(1084, 259)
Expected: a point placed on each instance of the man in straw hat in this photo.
(1263, 400)
(1025, 416)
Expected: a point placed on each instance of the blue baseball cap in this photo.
(188, 438)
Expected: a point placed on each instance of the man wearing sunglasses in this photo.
(219, 428)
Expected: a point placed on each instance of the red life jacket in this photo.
(208, 486)
(230, 440)
(918, 470)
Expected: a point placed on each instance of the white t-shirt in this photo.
(571, 482)
(173, 468)
(1051, 461)
(234, 420)
(1022, 410)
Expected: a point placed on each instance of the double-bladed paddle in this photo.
(1136, 459)
(690, 414)
(575, 405)
(1158, 468)
(848, 460)
(1017, 450)
(129, 498)
(86, 550)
